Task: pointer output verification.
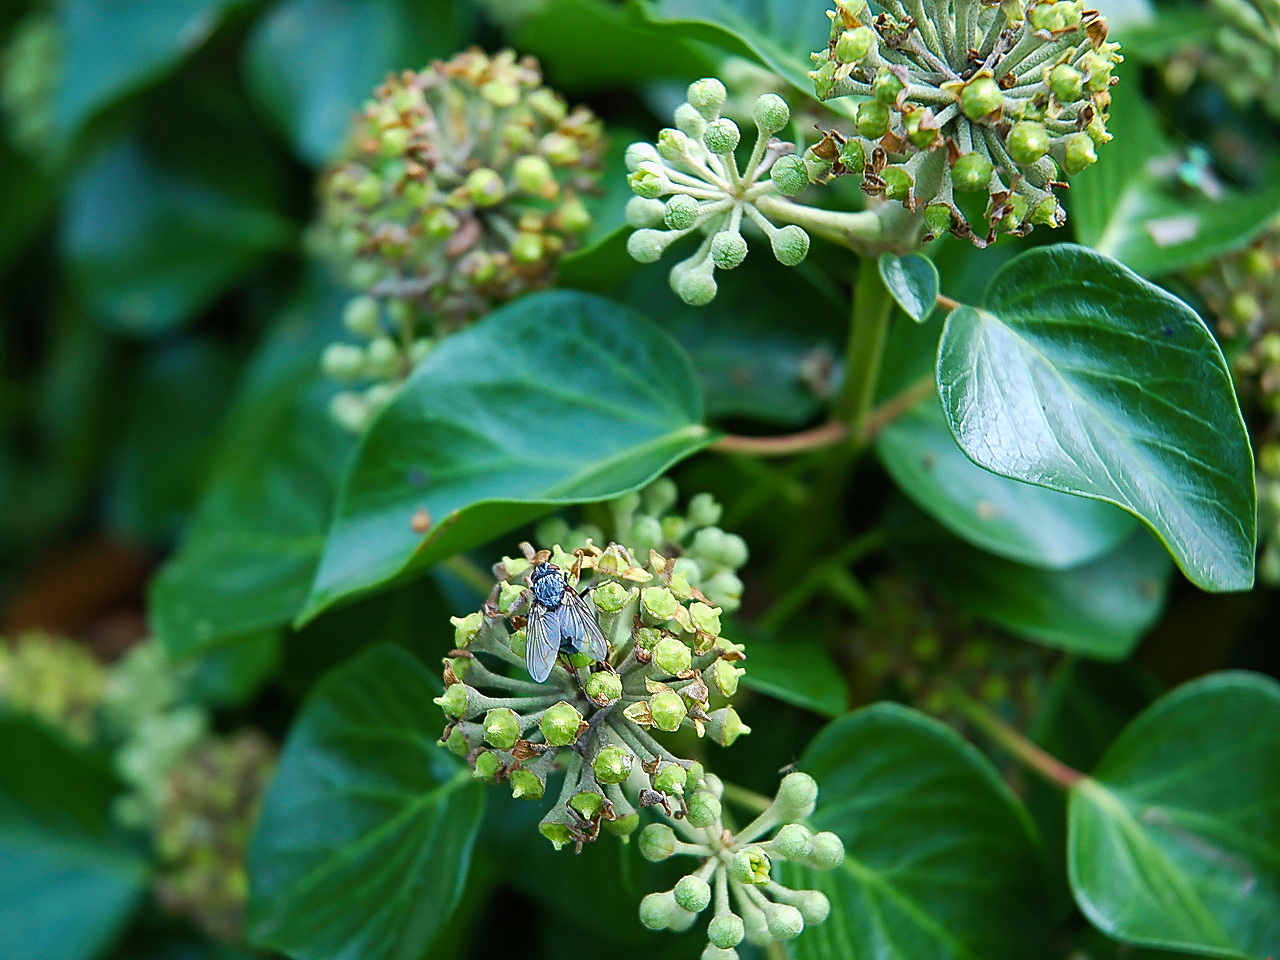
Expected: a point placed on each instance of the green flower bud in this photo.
(797, 796)
(342, 361)
(1028, 142)
(793, 841)
(604, 686)
(790, 245)
(922, 129)
(696, 286)
(703, 809)
(707, 96)
(648, 246)
(487, 765)
(898, 183)
(623, 826)
(639, 153)
(827, 852)
(980, 98)
(1066, 83)
(789, 175)
(525, 783)
(692, 893)
(459, 701)
(361, 317)
(557, 833)
(873, 119)
(726, 931)
(1078, 153)
(368, 191)
(533, 174)
(647, 182)
(671, 780)
(750, 866)
(824, 79)
(485, 187)
(501, 728)
(813, 906)
(508, 595)
(466, 628)
(705, 618)
(689, 121)
(519, 643)
(659, 911)
(381, 355)
(611, 596)
(672, 656)
(588, 803)
(728, 250)
(350, 411)
(612, 764)
(785, 921)
(722, 136)
(645, 213)
(771, 113)
(681, 212)
(725, 677)
(853, 155)
(971, 173)
(673, 144)
(853, 45)
(1047, 213)
(658, 604)
(527, 248)
(657, 842)
(668, 710)
(886, 86)
(1097, 69)
(938, 219)
(560, 723)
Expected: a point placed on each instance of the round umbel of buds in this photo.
(964, 98)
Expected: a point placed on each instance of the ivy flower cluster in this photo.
(964, 97)
(736, 876)
(596, 724)
(461, 187)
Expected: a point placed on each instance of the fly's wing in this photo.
(542, 641)
(578, 623)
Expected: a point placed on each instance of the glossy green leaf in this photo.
(1099, 609)
(148, 246)
(113, 47)
(799, 672)
(310, 64)
(68, 881)
(912, 281)
(1175, 837)
(365, 837)
(1079, 376)
(940, 857)
(1014, 520)
(248, 558)
(1152, 207)
(778, 33)
(557, 398)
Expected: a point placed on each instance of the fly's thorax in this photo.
(548, 585)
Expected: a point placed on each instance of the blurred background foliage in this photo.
(160, 316)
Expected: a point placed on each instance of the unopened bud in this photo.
(855, 44)
(722, 136)
(797, 796)
(704, 809)
(692, 893)
(789, 175)
(1028, 142)
(501, 728)
(728, 250)
(657, 842)
(672, 656)
(612, 764)
(980, 97)
(726, 931)
(770, 113)
(790, 245)
(680, 212)
(560, 723)
(707, 96)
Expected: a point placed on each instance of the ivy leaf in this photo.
(941, 861)
(248, 558)
(1153, 207)
(311, 63)
(557, 398)
(1017, 521)
(799, 672)
(68, 882)
(1175, 838)
(367, 811)
(1079, 376)
(912, 281)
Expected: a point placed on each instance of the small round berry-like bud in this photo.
(785, 921)
(671, 780)
(680, 212)
(980, 98)
(692, 893)
(673, 144)
(672, 656)
(501, 728)
(487, 765)
(381, 355)
(557, 833)
(704, 510)
(612, 764)
(560, 723)
(1066, 82)
(485, 187)
(750, 866)
(726, 931)
(658, 603)
(725, 677)
(604, 686)
(361, 317)
(797, 795)
(793, 841)
(824, 79)
(1078, 153)
(705, 618)
(648, 246)
(789, 175)
(668, 710)
(638, 153)
(611, 596)
(922, 129)
(813, 906)
(457, 743)
(712, 952)
(526, 783)
(937, 219)
(648, 182)
(342, 361)
(466, 628)
(588, 803)
(898, 183)
(728, 250)
(1047, 212)
(658, 910)
(689, 121)
(458, 701)
(696, 286)
(855, 44)
(533, 174)
(790, 245)
(971, 173)
(886, 86)
(657, 842)
(1028, 142)
(527, 248)
(623, 826)
(369, 190)
(704, 809)
(873, 119)
(641, 212)
(853, 155)
(770, 113)
(722, 136)
(707, 96)
(827, 852)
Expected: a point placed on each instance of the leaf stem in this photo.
(869, 329)
(1016, 743)
(746, 799)
(899, 404)
(828, 434)
(947, 303)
